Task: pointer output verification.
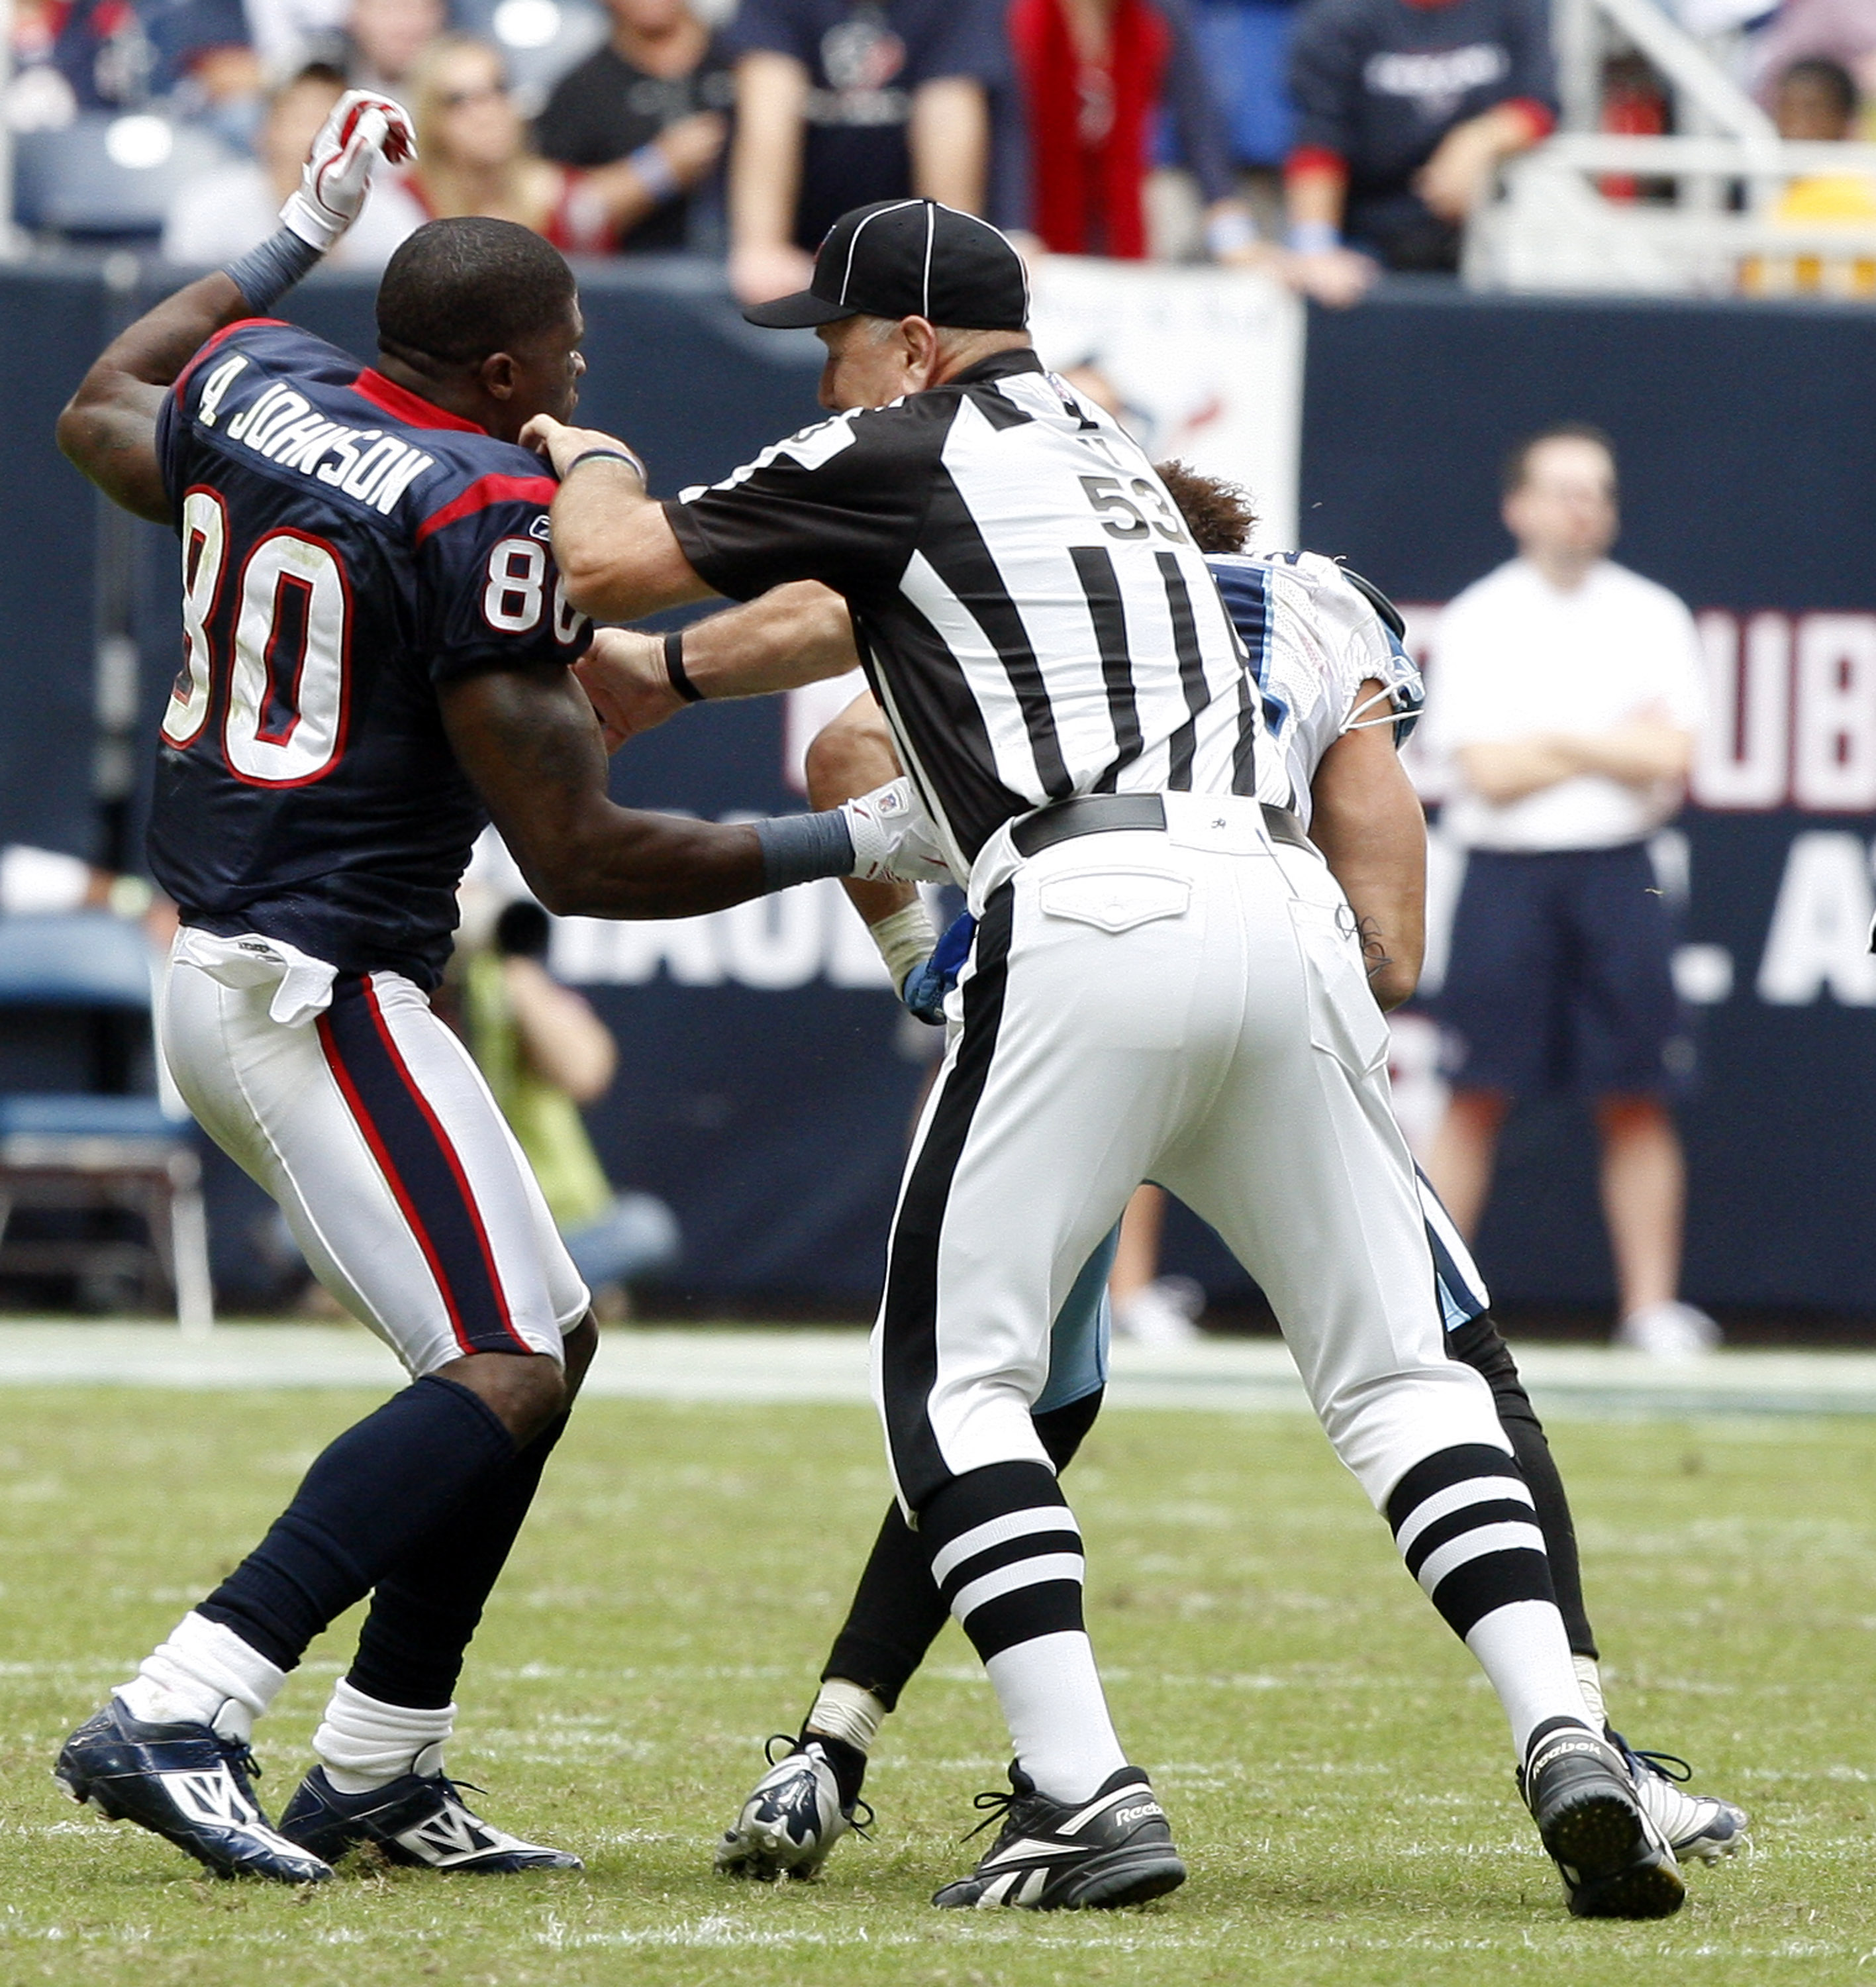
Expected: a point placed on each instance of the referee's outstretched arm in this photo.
(614, 547)
(800, 633)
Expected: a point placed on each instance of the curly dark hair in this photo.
(1219, 514)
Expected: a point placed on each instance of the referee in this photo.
(1165, 983)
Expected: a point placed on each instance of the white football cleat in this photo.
(791, 1821)
(1700, 1826)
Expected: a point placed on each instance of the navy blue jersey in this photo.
(347, 548)
(1379, 83)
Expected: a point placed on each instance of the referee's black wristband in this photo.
(674, 668)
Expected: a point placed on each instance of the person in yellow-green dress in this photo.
(545, 1053)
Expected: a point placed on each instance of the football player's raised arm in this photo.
(109, 427)
(617, 553)
(1365, 817)
(851, 755)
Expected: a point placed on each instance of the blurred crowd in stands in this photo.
(1324, 139)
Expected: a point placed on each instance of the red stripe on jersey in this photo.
(208, 349)
(410, 408)
(485, 490)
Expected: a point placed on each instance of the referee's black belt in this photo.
(1112, 813)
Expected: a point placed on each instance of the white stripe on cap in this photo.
(931, 229)
(848, 276)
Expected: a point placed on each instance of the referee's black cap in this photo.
(909, 258)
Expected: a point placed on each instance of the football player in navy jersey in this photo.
(376, 660)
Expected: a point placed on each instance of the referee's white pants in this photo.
(1137, 1006)
(396, 1172)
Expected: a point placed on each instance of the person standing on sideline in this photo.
(1565, 694)
(544, 1053)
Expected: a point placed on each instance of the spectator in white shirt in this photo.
(226, 212)
(1565, 694)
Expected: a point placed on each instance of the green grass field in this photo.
(1337, 1773)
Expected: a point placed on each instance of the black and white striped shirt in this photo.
(1031, 611)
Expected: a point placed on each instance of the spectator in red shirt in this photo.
(1093, 75)
(1405, 109)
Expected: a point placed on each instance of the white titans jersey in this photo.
(1030, 607)
(1313, 640)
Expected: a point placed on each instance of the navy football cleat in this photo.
(1052, 1856)
(420, 1819)
(187, 1784)
(1614, 1859)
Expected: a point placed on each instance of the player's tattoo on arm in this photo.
(1367, 822)
(528, 740)
(109, 427)
(1376, 956)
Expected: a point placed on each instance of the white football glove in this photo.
(363, 128)
(893, 837)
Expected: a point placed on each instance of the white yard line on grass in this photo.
(785, 1365)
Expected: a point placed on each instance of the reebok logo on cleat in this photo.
(1122, 1817)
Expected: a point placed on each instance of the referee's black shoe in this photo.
(1113, 1848)
(1614, 1862)
(187, 1784)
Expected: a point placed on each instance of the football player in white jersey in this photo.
(1340, 693)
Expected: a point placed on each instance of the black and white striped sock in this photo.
(1467, 1526)
(1006, 1553)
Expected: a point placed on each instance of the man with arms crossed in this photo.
(377, 661)
(1565, 691)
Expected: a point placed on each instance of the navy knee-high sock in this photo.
(367, 1502)
(425, 1610)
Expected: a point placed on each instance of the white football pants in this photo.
(398, 1175)
(1188, 1007)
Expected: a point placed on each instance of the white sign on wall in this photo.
(1207, 364)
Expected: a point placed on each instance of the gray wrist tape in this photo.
(264, 275)
(799, 847)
